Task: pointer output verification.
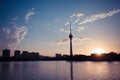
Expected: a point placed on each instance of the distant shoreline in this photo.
(25, 56)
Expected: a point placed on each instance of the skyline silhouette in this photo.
(35, 56)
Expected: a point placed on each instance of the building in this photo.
(34, 55)
(29, 56)
(25, 55)
(16, 53)
(6, 53)
(57, 55)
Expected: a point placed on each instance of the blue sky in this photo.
(43, 25)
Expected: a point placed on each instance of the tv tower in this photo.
(71, 36)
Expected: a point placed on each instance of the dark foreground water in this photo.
(59, 70)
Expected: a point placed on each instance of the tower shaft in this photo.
(71, 51)
(70, 37)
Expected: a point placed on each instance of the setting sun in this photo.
(98, 50)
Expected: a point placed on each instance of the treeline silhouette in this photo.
(34, 56)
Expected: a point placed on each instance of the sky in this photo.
(43, 25)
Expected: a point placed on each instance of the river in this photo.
(59, 70)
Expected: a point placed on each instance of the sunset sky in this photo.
(43, 25)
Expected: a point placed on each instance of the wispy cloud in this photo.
(79, 23)
(63, 41)
(30, 13)
(77, 40)
(75, 17)
(76, 21)
(13, 21)
(81, 28)
(14, 36)
(63, 30)
(99, 16)
(80, 40)
(67, 23)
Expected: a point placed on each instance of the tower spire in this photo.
(70, 37)
(70, 28)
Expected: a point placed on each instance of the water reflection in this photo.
(54, 70)
(71, 70)
(5, 71)
(16, 71)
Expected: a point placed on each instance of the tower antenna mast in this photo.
(70, 37)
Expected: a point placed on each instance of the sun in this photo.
(98, 50)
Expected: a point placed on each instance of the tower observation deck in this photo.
(70, 37)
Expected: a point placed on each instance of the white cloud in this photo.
(14, 36)
(79, 39)
(76, 41)
(30, 13)
(63, 30)
(14, 20)
(60, 42)
(67, 23)
(75, 18)
(99, 16)
(81, 28)
(76, 21)
(76, 15)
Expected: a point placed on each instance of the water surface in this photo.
(59, 70)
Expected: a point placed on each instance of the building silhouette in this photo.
(17, 54)
(58, 55)
(6, 54)
(29, 56)
(70, 37)
(25, 55)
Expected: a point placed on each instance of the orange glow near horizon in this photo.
(98, 51)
